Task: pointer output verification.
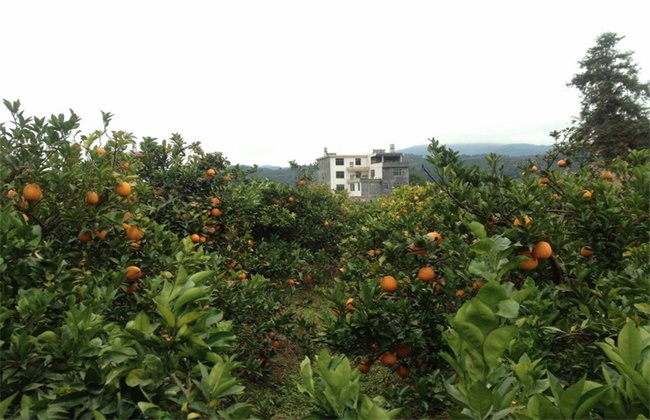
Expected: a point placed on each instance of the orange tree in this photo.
(582, 230)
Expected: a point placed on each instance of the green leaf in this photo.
(571, 397)
(541, 408)
(478, 229)
(492, 293)
(165, 312)
(306, 375)
(468, 332)
(138, 377)
(480, 399)
(4, 405)
(629, 344)
(495, 342)
(483, 246)
(200, 277)
(480, 314)
(589, 399)
(189, 295)
(508, 309)
(190, 317)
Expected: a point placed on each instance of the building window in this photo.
(397, 171)
(340, 162)
(340, 174)
(372, 173)
(340, 187)
(351, 187)
(386, 187)
(357, 174)
(357, 161)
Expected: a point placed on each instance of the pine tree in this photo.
(614, 107)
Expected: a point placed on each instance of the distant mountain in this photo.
(472, 149)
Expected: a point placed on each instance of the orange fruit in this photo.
(542, 250)
(125, 165)
(123, 189)
(275, 344)
(215, 201)
(11, 194)
(402, 371)
(302, 182)
(195, 237)
(545, 181)
(460, 293)
(308, 277)
(276, 201)
(416, 250)
(32, 192)
(292, 199)
(216, 212)
(561, 163)
(232, 264)
(226, 178)
(586, 195)
(426, 274)
(389, 359)
(202, 239)
(85, 236)
(435, 236)
(607, 175)
(363, 368)
(134, 233)
(291, 282)
(555, 197)
(402, 351)
(476, 286)
(210, 172)
(92, 197)
(158, 192)
(526, 222)
(133, 273)
(100, 150)
(326, 223)
(533, 168)
(241, 276)
(388, 284)
(530, 263)
(101, 234)
(586, 251)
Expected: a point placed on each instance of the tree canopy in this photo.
(614, 106)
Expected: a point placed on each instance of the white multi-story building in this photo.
(364, 176)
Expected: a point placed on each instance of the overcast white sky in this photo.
(271, 81)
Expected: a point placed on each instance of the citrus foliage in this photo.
(158, 282)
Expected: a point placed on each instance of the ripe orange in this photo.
(125, 165)
(545, 181)
(85, 236)
(530, 263)
(123, 189)
(308, 277)
(134, 233)
(101, 234)
(133, 273)
(291, 282)
(389, 359)
(302, 182)
(533, 168)
(292, 199)
(100, 150)
(210, 172)
(586, 195)
(402, 371)
(426, 274)
(232, 264)
(195, 237)
(32, 192)
(216, 212)
(561, 163)
(555, 197)
(215, 201)
(435, 236)
(92, 197)
(402, 351)
(607, 175)
(275, 344)
(326, 223)
(542, 250)
(363, 368)
(11, 194)
(460, 293)
(586, 251)
(241, 276)
(416, 250)
(388, 284)
(526, 222)
(202, 239)
(226, 178)
(476, 286)
(158, 192)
